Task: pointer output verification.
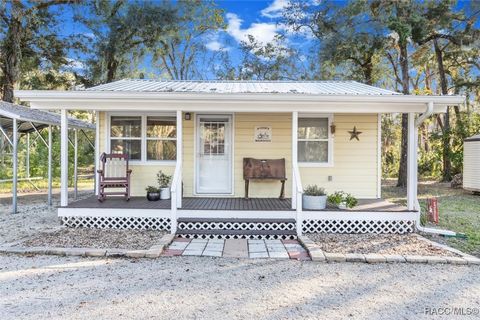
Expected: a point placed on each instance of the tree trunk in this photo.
(12, 56)
(111, 70)
(368, 71)
(447, 164)
(402, 169)
(112, 64)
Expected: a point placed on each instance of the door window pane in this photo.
(213, 138)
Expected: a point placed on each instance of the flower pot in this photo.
(165, 193)
(314, 202)
(153, 196)
(342, 205)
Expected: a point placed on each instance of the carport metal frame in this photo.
(38, 120)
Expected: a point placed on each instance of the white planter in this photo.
(342, 206)
(314, 202)
(165, 193)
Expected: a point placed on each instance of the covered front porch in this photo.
(255, 218)
(222, 120)
(219, 204)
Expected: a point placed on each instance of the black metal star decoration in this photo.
(354, 134)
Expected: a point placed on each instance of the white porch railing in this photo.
(297, 189)
(176, 187)
(176, 190)
(298, 197)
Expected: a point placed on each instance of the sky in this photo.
(259, 18)
(256, 17)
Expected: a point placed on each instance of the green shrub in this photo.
(336, 198)
(151, 189)
(314, 190)
(339, 197)
(163, 179)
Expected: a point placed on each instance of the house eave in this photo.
(247, 102)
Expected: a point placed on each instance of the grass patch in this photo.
(459, 210)
(42, 185)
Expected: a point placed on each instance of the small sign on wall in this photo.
(263, 134)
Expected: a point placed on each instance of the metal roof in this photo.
(40, 119)
(272, 87)
(473, 138)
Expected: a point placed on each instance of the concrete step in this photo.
(240, 220)
(229, 228)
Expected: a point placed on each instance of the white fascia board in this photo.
(189, 102)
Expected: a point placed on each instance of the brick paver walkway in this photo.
(237, 248)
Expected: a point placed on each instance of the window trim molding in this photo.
(330, 140)
(143, 137)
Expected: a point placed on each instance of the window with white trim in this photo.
(313, 140)
(126, 136)
(144, 138)
(161, 138)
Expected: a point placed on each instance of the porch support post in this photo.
(75, 165)
(180, 157)
(15, 165)
(49, 165)
(27, 157)
(96, 151)
(294, 157)
(379, 156)
(412, 163)
(64, 158)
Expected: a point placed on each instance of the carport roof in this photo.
(40, 119)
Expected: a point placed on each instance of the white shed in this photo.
(471, 164)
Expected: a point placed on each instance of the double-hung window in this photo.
(144, 138)
(126, 136)
(314, 140)
(161, 138)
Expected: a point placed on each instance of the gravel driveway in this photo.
(33, 216)
(212, 288)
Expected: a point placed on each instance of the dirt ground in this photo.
(95, 238)
(33, 216)
(220, 288)
(407, 244)
(33, 287)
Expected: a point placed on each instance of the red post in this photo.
(432, 210)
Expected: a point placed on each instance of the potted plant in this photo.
(153, 193)
(164, 181)
(335, 199)
(314, 198)
(350, 201)
(342, 200)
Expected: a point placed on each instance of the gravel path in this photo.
(212, 288)
(33, 216)
(408, 244)
(95, 238)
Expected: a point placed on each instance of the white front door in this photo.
(214, 154)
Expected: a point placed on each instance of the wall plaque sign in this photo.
(263, 134)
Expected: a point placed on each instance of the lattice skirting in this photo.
(237, 225)
(237, 236)
(139, 223)
(358, 226)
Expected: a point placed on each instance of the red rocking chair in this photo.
(114, 175)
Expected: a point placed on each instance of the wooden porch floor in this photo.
(257, 204)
